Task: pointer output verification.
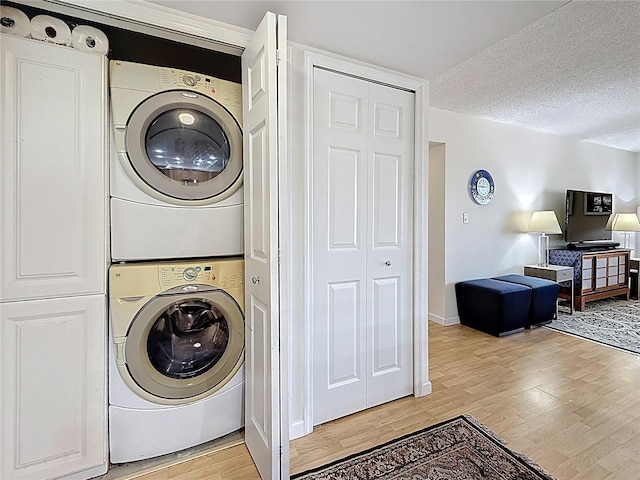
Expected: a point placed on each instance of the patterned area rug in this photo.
(458, 449)
(612, 322)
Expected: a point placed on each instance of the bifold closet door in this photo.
(363, 147)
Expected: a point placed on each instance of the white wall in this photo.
(531, 171)
(437, 157)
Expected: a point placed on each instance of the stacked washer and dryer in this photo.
(176, 284)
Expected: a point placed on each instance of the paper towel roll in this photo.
(14, 22)
(89, 39)
(50, 29)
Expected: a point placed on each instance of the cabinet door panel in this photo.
(53, 179)
(52, 386)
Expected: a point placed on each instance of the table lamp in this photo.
(625, 223)
(545, 223)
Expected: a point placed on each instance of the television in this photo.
(586, 216)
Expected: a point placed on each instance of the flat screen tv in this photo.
(586, 216)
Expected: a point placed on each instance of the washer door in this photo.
(185, 346)
(185, 146)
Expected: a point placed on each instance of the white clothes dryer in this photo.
(176, 376)
(176, 164)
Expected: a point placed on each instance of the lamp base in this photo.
(543, 250)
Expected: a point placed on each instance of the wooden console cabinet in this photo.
(597, 274)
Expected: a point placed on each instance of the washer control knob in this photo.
(189, 80)
(190, 274)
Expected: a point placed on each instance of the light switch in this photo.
(465, 218)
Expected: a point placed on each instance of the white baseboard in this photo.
(445, 322)
(297, 429)
(425, 389)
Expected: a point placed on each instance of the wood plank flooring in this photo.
(571, 405)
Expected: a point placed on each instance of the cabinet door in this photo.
(52, 151)
(588, 273)
(52, 387)
(617, 274)
(601, 272)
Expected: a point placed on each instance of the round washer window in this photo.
(188, 146)
(188, 339)
(185, 346)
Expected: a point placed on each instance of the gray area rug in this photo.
(612, 322)
(458, 449)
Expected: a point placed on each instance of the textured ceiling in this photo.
(574, 72)
(565, 68)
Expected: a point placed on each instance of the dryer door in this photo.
(185, 346)
(185, 146)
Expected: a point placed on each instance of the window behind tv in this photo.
(587, 214)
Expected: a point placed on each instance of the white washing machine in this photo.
(176, 164)
(176, 375)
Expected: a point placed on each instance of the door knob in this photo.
(255, 280)
(388, 263)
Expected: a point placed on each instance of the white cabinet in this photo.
(53, 387)
(53, 259)
(52, 219)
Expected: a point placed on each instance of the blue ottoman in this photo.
(493, 306)
(544, 297)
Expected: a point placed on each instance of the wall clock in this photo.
(481, 187)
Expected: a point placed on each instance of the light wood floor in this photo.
(571, 405)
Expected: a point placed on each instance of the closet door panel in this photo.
(390, 148)
(386, 215)
(361, 244)
(343, 224)
(339, 247)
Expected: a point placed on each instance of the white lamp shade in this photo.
(623, 222)
(544, 222)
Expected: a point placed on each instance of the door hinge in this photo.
(277, 57)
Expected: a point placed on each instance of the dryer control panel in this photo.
(225, 92)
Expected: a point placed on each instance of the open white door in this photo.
(265, 406)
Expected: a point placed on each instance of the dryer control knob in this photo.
(190, 274)
(189, 80)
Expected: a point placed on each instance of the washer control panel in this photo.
(147, 279)
(229, 273)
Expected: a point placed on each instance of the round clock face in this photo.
(481, 187)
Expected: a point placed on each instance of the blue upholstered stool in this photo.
(544, 297)
(493, 306)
